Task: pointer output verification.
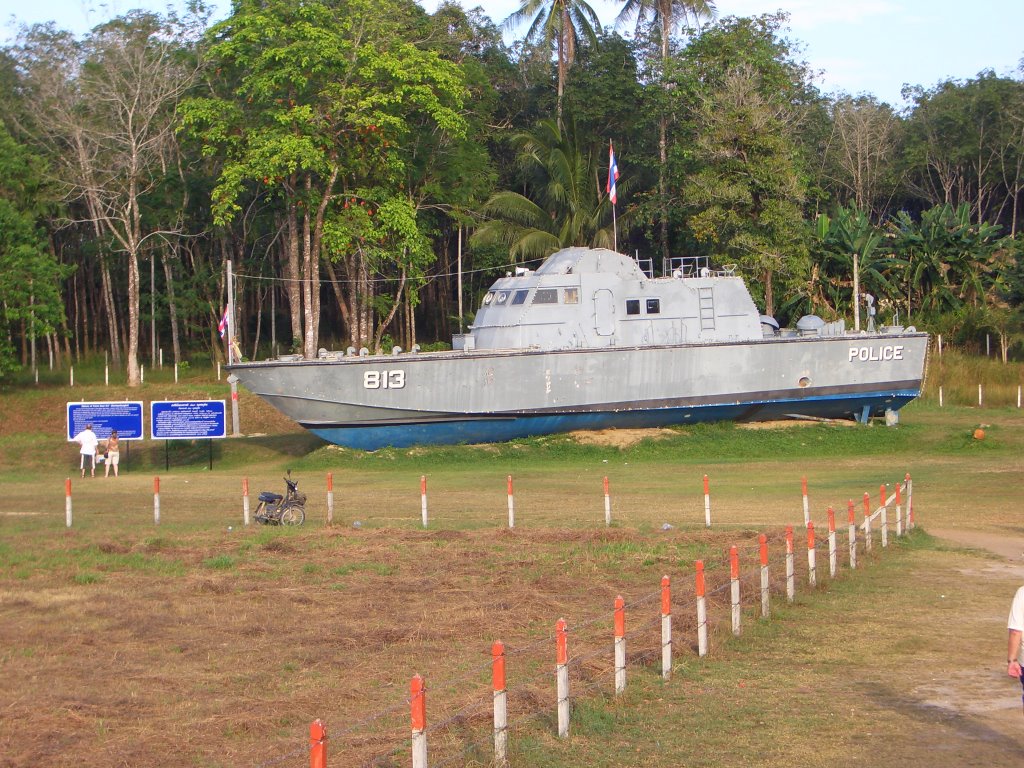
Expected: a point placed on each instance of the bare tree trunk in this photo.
(108, 300)
(294, 291)
(134, 378)
(172, 308)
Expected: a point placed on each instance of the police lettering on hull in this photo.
(877, 354)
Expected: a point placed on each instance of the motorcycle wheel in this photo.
(293, 515)
(261, 513)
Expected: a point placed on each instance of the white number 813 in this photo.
(384, 379)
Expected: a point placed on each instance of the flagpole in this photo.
(615, 231)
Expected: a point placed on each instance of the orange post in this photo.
(561, 642)
(510, 485)
(898, 495)
(67, 487)
(831, 520)
(418, 703)
(851, 515)
(734, 563)
(330, 481)
(620, 617)
(666, 596)
(867, 504)
(700, 578)
(498, 666)
(317, 745)
(606, 485)
(245, 486)
(789, 539)
(707, 487)
(762, 541)
(423, 484)
(156, 484)
(803, 485)
(810, 535)
(882, 495)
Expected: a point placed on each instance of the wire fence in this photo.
(460, 729)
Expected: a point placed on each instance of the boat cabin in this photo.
(582, 298)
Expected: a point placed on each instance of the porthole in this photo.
(804, 382)
(502, 295)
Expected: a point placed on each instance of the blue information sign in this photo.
(125, 416)
(186, 419)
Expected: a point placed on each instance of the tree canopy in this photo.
(347, 155)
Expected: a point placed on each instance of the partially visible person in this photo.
(88, 441)
(113, 455)
(1015, 625)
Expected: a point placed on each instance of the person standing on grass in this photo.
(88, 441)
(113, 455)
(1014, 649)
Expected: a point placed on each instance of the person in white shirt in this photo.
(1015, 625)
(88, 441)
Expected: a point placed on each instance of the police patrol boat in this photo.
(590, 340)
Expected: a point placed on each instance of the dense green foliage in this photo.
(345, 154)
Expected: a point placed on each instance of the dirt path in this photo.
(975, 693)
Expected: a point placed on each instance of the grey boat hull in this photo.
(488, 396)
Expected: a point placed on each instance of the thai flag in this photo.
(222, 326)
(613, 174)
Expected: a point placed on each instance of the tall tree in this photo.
(30, 277)
(565, 205)
(861, 151)
(746, 185)
(667, 17)
(312, 105)
(558, 22)
(106, 110)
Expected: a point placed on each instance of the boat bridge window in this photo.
(488, 298)
(572, 296)
(502, 295)
(632, 306)
(546, 296)
(520, 297)
(654, 306)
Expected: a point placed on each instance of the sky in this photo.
(857, 46)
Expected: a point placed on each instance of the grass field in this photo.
(202, 643)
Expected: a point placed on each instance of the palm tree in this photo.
(561, 22)
(566, 205)
(665, 16)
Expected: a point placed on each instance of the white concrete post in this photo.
(707, 502)
(607, 504)
(762, 541)
(156, 500)
(620, 645)
(423, 499)
(790, 574)
(867, 522)
(899, 510)
(330, 498)
(562, 676)
(852, 519)
(734, 588)
(666, 628)
(500, 704)
(511, 505)
(702, 612)
(833, 554)
(245, 500)
(884, 522)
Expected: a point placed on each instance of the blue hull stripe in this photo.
(501, 428)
